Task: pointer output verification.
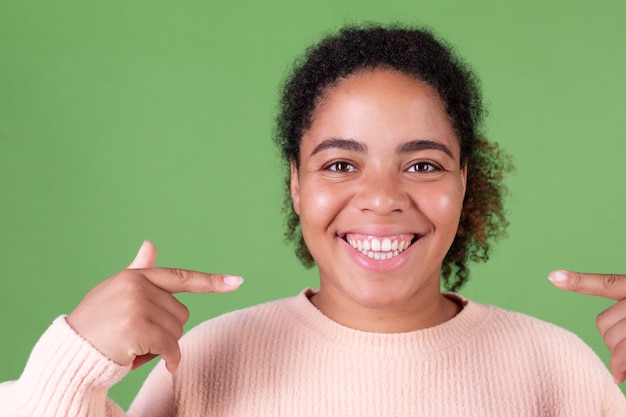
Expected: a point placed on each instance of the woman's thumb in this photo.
(146, 256)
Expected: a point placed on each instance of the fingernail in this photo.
(233, 281)
(557, 276)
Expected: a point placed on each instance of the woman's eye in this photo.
(424, 167)
(342, 167)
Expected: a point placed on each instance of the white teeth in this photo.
(375, 249)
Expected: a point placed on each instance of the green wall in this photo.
(124, 120)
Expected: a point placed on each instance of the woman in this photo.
(391, 188)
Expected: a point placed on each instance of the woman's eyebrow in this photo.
(422, 145)
(345, 144)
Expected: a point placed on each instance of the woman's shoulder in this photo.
(526, 326)
(531, 337)
(504, 321)
(541, 355)
(258, 320)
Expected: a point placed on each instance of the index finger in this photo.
(611, 286)
(175, 280)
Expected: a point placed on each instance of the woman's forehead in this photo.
(383, 103)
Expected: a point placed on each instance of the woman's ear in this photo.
(294, 187)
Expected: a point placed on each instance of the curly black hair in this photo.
(418, 53)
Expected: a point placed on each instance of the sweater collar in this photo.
(443, 336)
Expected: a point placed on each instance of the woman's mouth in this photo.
(380, 247)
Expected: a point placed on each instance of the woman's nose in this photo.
(382, 193)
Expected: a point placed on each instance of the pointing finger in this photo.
(606, 285)
(174, 280)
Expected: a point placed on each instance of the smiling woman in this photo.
(390, 187)
(398, 179)
(450, 84)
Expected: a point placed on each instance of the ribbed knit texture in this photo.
(285, 358)
(65, 376)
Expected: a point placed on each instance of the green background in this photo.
(124, 120)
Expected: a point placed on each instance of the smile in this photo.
(379, 247)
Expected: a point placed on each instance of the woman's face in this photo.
(379, 189)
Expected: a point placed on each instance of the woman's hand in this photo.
(133, 317)
(611, 322)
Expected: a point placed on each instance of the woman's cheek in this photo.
(318, 205)
(444, 208)
(326, 199)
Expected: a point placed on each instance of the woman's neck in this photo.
(420, 312)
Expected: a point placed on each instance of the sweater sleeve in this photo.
(156, 396)
(614, 401)
(65, 376)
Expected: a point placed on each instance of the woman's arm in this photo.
(611, 322)
(121, 324)
(64, 376)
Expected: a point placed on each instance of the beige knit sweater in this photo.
(285, 358)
